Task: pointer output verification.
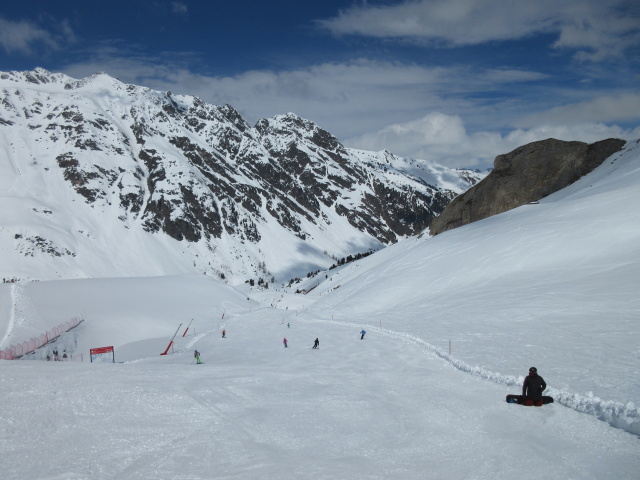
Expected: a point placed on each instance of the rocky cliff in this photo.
(525, 175)
(102, 178)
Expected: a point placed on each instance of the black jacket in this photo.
(533, 386)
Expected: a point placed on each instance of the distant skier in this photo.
(316, 343)
(285, 342)
(288, 325)
(362, 334)
(196, 354)
(533, 387)
(224, 334)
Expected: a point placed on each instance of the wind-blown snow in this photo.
(553, 285)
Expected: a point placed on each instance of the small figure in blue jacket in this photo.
(362, 334)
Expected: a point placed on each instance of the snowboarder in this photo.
(285, 342)
(224, 334)
(196, 354)
(533, 387)
(316, 343)
(362, 334)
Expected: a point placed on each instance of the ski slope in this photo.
(383, 407)
(553, 285)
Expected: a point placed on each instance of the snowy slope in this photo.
(552, 285)
(103, 179)
(382, 408)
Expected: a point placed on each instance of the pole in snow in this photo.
(185, 332)
(171, 342)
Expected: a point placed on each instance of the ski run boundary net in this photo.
(17, 351)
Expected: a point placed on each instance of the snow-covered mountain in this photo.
(453, 323)
(100, 178)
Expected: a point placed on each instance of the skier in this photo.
(196, 354)
(533, 387)
(316, 343)
(285, 342)
(362, 334)
(224, 334)
(288, 325)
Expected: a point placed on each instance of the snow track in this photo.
(14, 298)
(388, 407)
(623, 416)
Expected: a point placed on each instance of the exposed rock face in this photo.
(138, 171)
(525, 175)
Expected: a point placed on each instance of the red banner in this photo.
(98, 351)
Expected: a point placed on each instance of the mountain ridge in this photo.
(99, 171)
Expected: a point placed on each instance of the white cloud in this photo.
(444, 139)
(347, 99)
(23, 36)
(454, 22)
(608, 108)
(20, 36)
(595, 29)
(605, 35)
(366, 104)
(179, 8)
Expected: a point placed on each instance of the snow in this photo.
(77, 196)
(553, 285)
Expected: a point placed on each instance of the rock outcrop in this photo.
(525, 175)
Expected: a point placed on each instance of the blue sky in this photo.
(456, 81)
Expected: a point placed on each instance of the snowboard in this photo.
(528, 402)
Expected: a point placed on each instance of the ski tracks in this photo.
(623, 416)
(12, 313)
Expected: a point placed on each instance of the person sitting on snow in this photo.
(533, 387)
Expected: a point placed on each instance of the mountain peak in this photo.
(38, 76)
(170, 184)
